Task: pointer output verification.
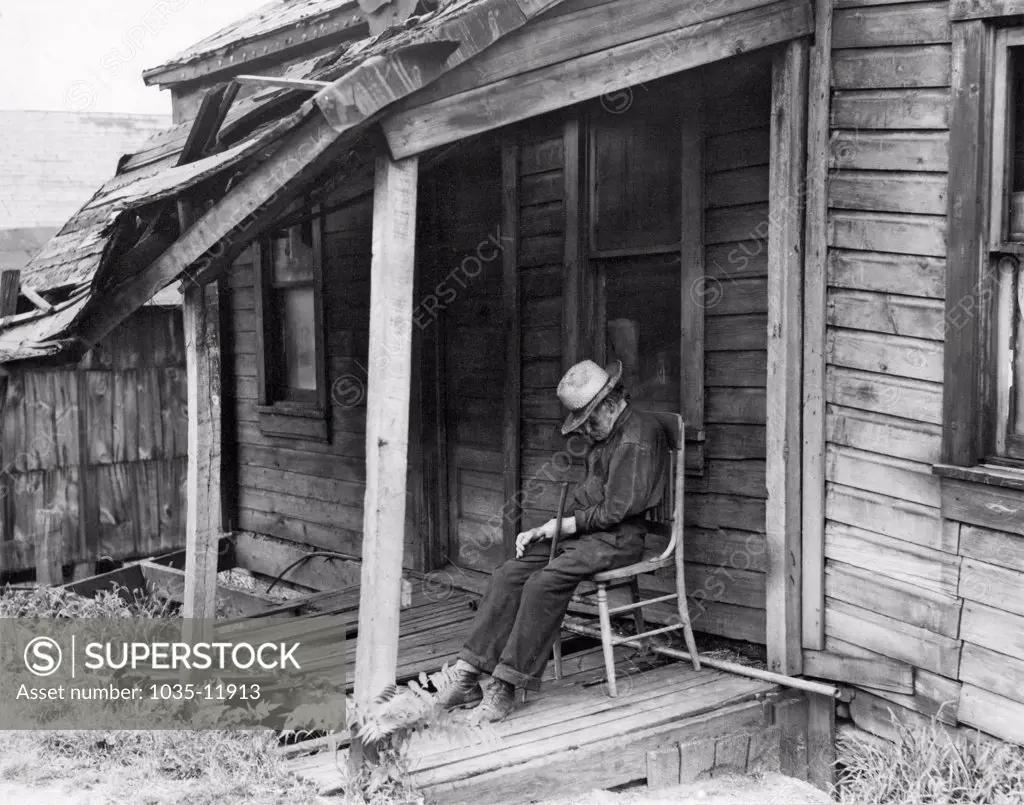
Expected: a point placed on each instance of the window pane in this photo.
(298, 338)
(292, 254)
(642, 310)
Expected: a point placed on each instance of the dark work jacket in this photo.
(625, 477)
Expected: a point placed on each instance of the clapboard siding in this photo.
(890, 109)
(892, 563)
(891, 67)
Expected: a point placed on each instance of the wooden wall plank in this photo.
(889, 516)
(890, 109)
(736, 405)
(988, 506)
(923, 151)
(892, 638)
(736, 369)
(736, 333)
(993, 585)
(911, 399)
(887, 273)
(992, 713)
(884, 474)
(893, 557)
(887, 313)
(888, 191)
(995, 547)
(891, 67)
(920, 23)
(895, 598)
(992, 671)
(888, 354)
(888, 232)
(993, 629)
(878, 433)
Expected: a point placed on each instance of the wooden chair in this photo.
(667, 517)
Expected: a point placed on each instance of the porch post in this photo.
(785, 356)
(389, 371)
(204, 512)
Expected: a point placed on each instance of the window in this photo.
(646, 245)
(292, 381)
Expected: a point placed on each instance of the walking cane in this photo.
(557, 647)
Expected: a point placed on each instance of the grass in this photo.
(930, 765)
(158, 767)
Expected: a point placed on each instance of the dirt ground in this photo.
(772, 789)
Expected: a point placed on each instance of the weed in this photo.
(930, 765)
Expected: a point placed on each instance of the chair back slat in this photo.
(670, 510)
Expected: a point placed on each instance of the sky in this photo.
(88, 55)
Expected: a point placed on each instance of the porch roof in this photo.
(124, 245)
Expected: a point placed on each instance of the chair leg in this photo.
(684, 615)
(606, 638)
(556, 651)
(638, 613)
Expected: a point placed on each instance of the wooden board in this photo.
(892, 638)
(902, 234)
(993, 629)
(920, 23)
(994, 547)
(993, 585)
(995, 714)
(883, 474)
(904, 561)
(891, 67)
(887, 314)
(876, 673)
(888, 191)
(897, 396)
(891, 517)
(888, 273)
(578, 79)
(891, 109)
(906, 602)
(978, 504)
(878, 433)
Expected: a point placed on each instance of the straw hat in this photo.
(582, 389)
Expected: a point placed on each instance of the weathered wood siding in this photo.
(120, 420)
(726, 553)
(900, 580)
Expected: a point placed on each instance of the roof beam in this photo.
(283, 83)
(559, 85)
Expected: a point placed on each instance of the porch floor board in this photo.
(569, 735)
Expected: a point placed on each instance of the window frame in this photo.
(981, 135)
(283, 415)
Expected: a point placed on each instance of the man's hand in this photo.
(526, 538)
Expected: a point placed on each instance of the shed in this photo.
(87, 467)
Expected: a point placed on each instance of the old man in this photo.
(521, 613)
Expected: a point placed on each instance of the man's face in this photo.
(599, 424)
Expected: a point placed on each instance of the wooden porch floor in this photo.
(571, 737)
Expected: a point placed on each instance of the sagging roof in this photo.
(128, 242)
(275, 27)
